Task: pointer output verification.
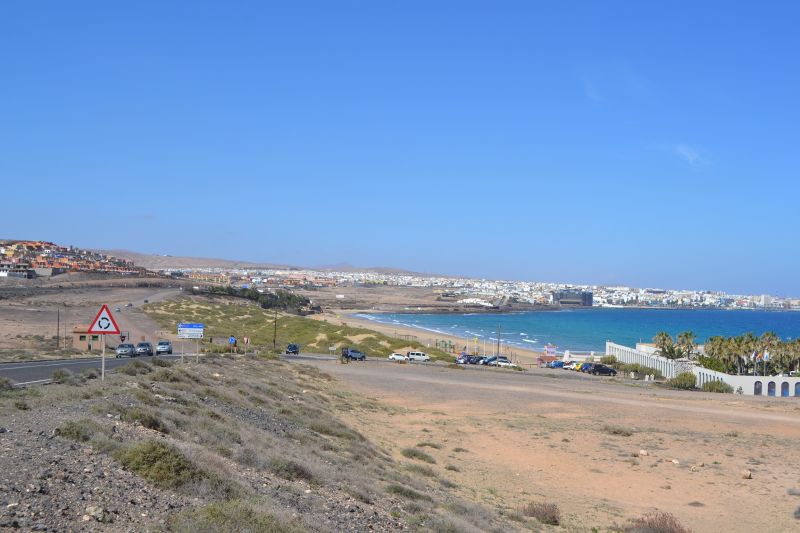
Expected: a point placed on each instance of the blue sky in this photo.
(585, 142)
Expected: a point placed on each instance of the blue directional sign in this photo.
(232, 340)
(191, 331)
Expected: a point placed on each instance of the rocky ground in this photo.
(223, 445)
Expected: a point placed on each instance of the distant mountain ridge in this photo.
(163, 262)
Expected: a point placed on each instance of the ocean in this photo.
(587, 329)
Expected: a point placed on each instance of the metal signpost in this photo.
(191, 331)
(103, 324)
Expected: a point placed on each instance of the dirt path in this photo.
(577, 443)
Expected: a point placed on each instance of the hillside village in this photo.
(31, 259)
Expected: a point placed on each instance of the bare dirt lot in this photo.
(604, 452)
(30, 322)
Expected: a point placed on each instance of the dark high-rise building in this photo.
(573, 297)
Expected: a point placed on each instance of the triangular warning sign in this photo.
(104, 323)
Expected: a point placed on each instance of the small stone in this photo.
(643, 453)
(2, 429)
(308, 491)
(98, 513)
(694, 469)
(676, 462)
(746, 474)
(701, 464)
(13, 505)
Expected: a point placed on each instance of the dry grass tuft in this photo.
(413, 453)
(546, 513)
(657, 522)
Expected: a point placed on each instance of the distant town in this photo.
(30, 259)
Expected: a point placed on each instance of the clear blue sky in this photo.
(585, 142)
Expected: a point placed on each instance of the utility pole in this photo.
(58, 328)
(498, 340)
(275, 333)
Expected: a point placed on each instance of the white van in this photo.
(418, 356)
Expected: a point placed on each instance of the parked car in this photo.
(117, 310)
(557, 364)
(164, 347)
(418, 356)
(126, 350)
(128, 304)
(569, 365)
(397, 357)
(462, 359)
(293, 349)
(586, 367)
(353, 355)
(497, 360)
(603, 370)
(473, 359)
(144, 348)
(488, 360)
(505, 364)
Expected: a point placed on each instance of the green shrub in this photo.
(145, 418)
(160, 464)
(712, 363)
(429, 445)
(638, 369)
(406, 492)
(413, 453)
(717, 386)
(291, 470)
(22, 405)
(233, 515)
(683, 381)
(609, 360)
(79, 430)
(546, 513)
(6, 384)
(62, 375)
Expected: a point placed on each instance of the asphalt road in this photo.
(32, 372)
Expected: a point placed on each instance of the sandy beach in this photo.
(429, 338)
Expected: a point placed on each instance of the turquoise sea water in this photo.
(588, 329)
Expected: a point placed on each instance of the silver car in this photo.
(163, 347)
(126, 350)
(144, 348)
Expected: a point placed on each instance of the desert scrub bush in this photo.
(79, 430)
(166, 375)
(144, 417)
(413, 453)
(421, 470)
(135, 368)
(618, 431)
(234, 515)
(452, 468)
(62, 375)
(22, 405)
(460, 450)
(657, 522)
(291, 470)
(406, 492)
(160, 464)
(683, 381)
(544, 512)
(161, 362)
(717, 386)
(428, 444)
(6, 384)
(609, 360)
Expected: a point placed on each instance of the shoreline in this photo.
(347, 317)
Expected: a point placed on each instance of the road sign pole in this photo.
(197, 350)
(182, 351)
(103, 360)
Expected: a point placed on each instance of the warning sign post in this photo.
(104, 324)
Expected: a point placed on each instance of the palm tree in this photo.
(686, 342)
(663, 341)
